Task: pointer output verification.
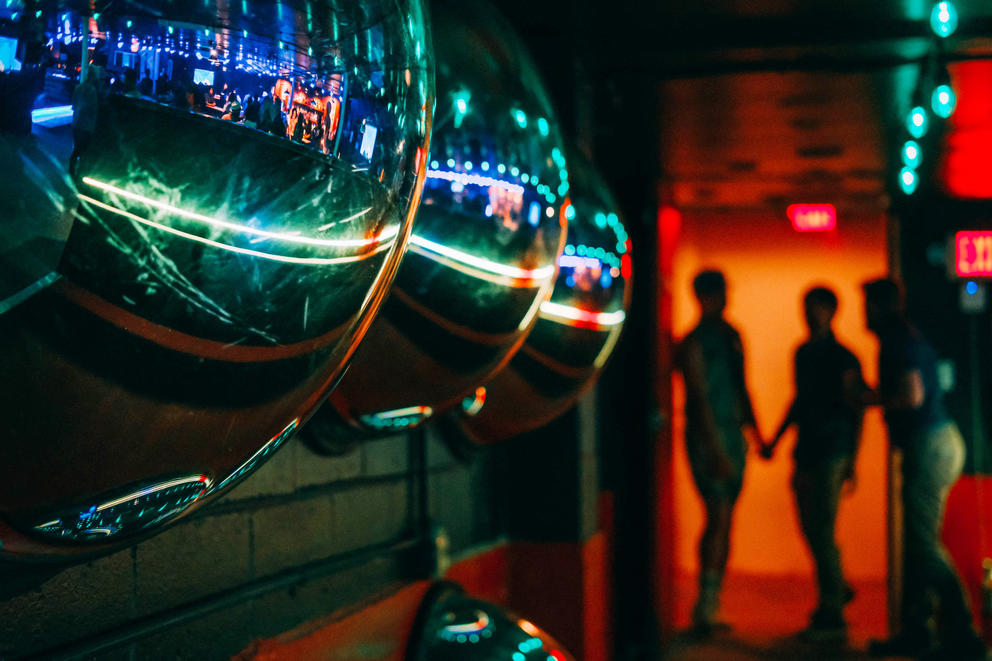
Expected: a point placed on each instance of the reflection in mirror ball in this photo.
(203, 205)
(482, 255)
(456, 627)
(576, 330)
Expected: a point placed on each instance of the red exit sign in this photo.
(973, 254)
(812, 217)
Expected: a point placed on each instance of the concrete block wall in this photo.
(227, 574)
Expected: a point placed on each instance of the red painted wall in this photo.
(968, 536)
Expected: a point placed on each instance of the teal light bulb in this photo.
(911, 154)
(943, 101)
(944, 19)
(917, 122)
(520, 117)
(908, 180)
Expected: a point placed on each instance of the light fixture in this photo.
(944, 19)
(943, 100)
(917, 122)
(908, 180)
(911, 154)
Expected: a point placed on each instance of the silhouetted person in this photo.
(252, 111)
(146, 86)
(181, 94)
(717, 410)
(85, 105)
(232, 110)
(932, 458)
(130, 82)
(827, 411)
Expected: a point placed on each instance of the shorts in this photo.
(710, 487)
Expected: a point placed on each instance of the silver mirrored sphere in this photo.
(204, 204)
(482, 254)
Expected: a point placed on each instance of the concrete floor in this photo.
(766, 612)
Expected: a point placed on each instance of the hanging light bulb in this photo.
(943, 101)
(944, 19)
(911, 154)
(908, 180)
(917, 122)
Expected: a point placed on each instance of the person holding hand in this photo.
(718, 412)
(827, 411)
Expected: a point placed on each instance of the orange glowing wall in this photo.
(769, 266)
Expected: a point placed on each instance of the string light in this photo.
(944, 19)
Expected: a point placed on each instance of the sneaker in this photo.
(700, 630)
(968, 647)
(825, 627)
(901, 645)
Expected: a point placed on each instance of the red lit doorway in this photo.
(769, 266)
(737, 151)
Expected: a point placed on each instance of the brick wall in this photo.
(303, 537)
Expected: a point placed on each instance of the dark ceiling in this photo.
(758, 103)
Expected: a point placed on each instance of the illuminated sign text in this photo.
(973, 254)
(812, 217)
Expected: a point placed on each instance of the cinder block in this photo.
(276, 476)
(204, 555)
(217, 635)
(81, 601)
(314, 469)
(282, 611)
(370, 514)
(294, 534)
(388, 456)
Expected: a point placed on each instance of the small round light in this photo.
(971, 287)
(909, 180)
(917, 122)
(944, 19)
(911, 155)
(943, 101)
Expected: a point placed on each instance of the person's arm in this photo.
(749, 424)
(768, 449)
(697, 397)
(855, 390)
(909, 392)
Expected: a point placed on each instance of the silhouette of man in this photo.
(718, 411)
(932, 458)
(85, 106)
(827, 411)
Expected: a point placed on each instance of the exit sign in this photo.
(973, 254)
(812, 217)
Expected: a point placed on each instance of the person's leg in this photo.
(80, 142)
(940, 459)
(714, 548)
(929, 470)
(817, 499)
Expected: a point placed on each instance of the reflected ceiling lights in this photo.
(577, 329)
